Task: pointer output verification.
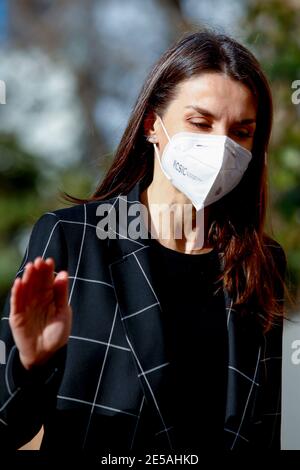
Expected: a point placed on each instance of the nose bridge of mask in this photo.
(202, 144)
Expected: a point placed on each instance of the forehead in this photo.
(217, 93)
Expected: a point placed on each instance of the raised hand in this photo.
(40, 317)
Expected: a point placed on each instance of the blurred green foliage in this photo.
(29, 186)
(273, 35)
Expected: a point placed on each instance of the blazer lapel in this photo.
(140, 311)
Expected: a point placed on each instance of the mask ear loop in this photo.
(157, 152)
(163, 126)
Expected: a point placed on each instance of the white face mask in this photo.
(204, 167)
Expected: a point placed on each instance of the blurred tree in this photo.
(19, 200)
(28, 187)
(100, 43)
(273, 35)
(63, 79)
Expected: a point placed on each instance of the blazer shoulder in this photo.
(81, 212)
(51, 221)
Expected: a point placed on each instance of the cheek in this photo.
(249, 146)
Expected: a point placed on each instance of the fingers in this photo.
(31, 282)
(17, 297)
(36, 282)
(61, 289)
(44, 270)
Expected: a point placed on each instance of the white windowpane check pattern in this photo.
(115, 360)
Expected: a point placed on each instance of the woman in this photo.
(175, 342)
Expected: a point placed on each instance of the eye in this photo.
(201, 125)
(243, 133)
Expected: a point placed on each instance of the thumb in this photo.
(60, 288)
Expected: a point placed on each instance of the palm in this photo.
(40, 316)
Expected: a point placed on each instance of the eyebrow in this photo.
(207, 113)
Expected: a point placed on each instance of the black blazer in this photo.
(108, 389)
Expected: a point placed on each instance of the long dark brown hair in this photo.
(237, 227)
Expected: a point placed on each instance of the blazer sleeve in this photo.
(26, 397)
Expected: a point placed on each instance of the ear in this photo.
(149, 127)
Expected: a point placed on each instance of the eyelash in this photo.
(239, 134)
(201, 124)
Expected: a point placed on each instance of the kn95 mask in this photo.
(204, 167)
